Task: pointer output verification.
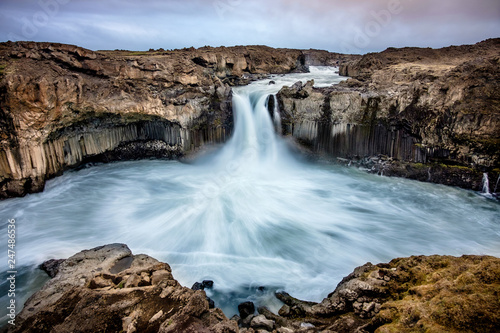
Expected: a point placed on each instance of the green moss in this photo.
(121, 285)
(2, 69)
(419, 165)
(454, 166)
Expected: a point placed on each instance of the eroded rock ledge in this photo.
(62, 105)
(110, 289)
(426, 114)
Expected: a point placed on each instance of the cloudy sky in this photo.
(354, 26)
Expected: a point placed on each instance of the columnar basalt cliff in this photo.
(432, 115)
(426, 114)
(107, 289)
(62, 105)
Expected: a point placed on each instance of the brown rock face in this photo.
(107, 289)
(61, 105)
(440, 108)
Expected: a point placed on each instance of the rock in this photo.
(207, 284)
(261, 322)
(416, 106)
(277, 319)
(211, 303)
(63, 106)
(197, 286)
(110, 288)
(86, 295)
(285, 330)
(246, 309)
(51, 267)
(424, 291)
(245, 322)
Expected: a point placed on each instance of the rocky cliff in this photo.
(107, 289)
(62, 105)
(432, 115)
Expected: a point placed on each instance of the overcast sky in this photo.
(354, 26)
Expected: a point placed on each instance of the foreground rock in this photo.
(431, 114)
(424, 294)
(109, 289)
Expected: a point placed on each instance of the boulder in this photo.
(110, 289)
(51, 267)
(246, 309)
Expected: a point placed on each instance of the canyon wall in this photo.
(62, 105)
(432, 115)
(426, 114)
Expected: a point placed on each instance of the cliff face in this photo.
(427, 114)
(420, 113)
(61, 105)
(109, 289)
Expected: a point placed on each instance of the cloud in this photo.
(348, 26)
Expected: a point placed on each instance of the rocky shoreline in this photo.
(110, 289)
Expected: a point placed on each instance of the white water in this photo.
(249, 215)
(486, 184)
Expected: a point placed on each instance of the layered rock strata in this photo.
(432, 115)
(62, 105)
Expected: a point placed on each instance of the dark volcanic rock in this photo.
(246, 309)
(440, 108)
(51, 267)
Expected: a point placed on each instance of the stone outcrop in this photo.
(423, 113)
(422, 293)
(107, 289)
(110, 289)
(62, 105)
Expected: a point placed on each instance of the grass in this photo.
(2, 68)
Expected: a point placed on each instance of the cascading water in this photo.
(249, 215)
(486, 184)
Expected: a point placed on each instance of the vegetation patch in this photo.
(2, 69)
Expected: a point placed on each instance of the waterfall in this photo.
(256, 142)
(249, 214)
(496, 184)
(277, 116)
(486, 184)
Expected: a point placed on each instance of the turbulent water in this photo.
(248, 215)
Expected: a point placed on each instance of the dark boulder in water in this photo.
(246, 309)
(51, 267)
